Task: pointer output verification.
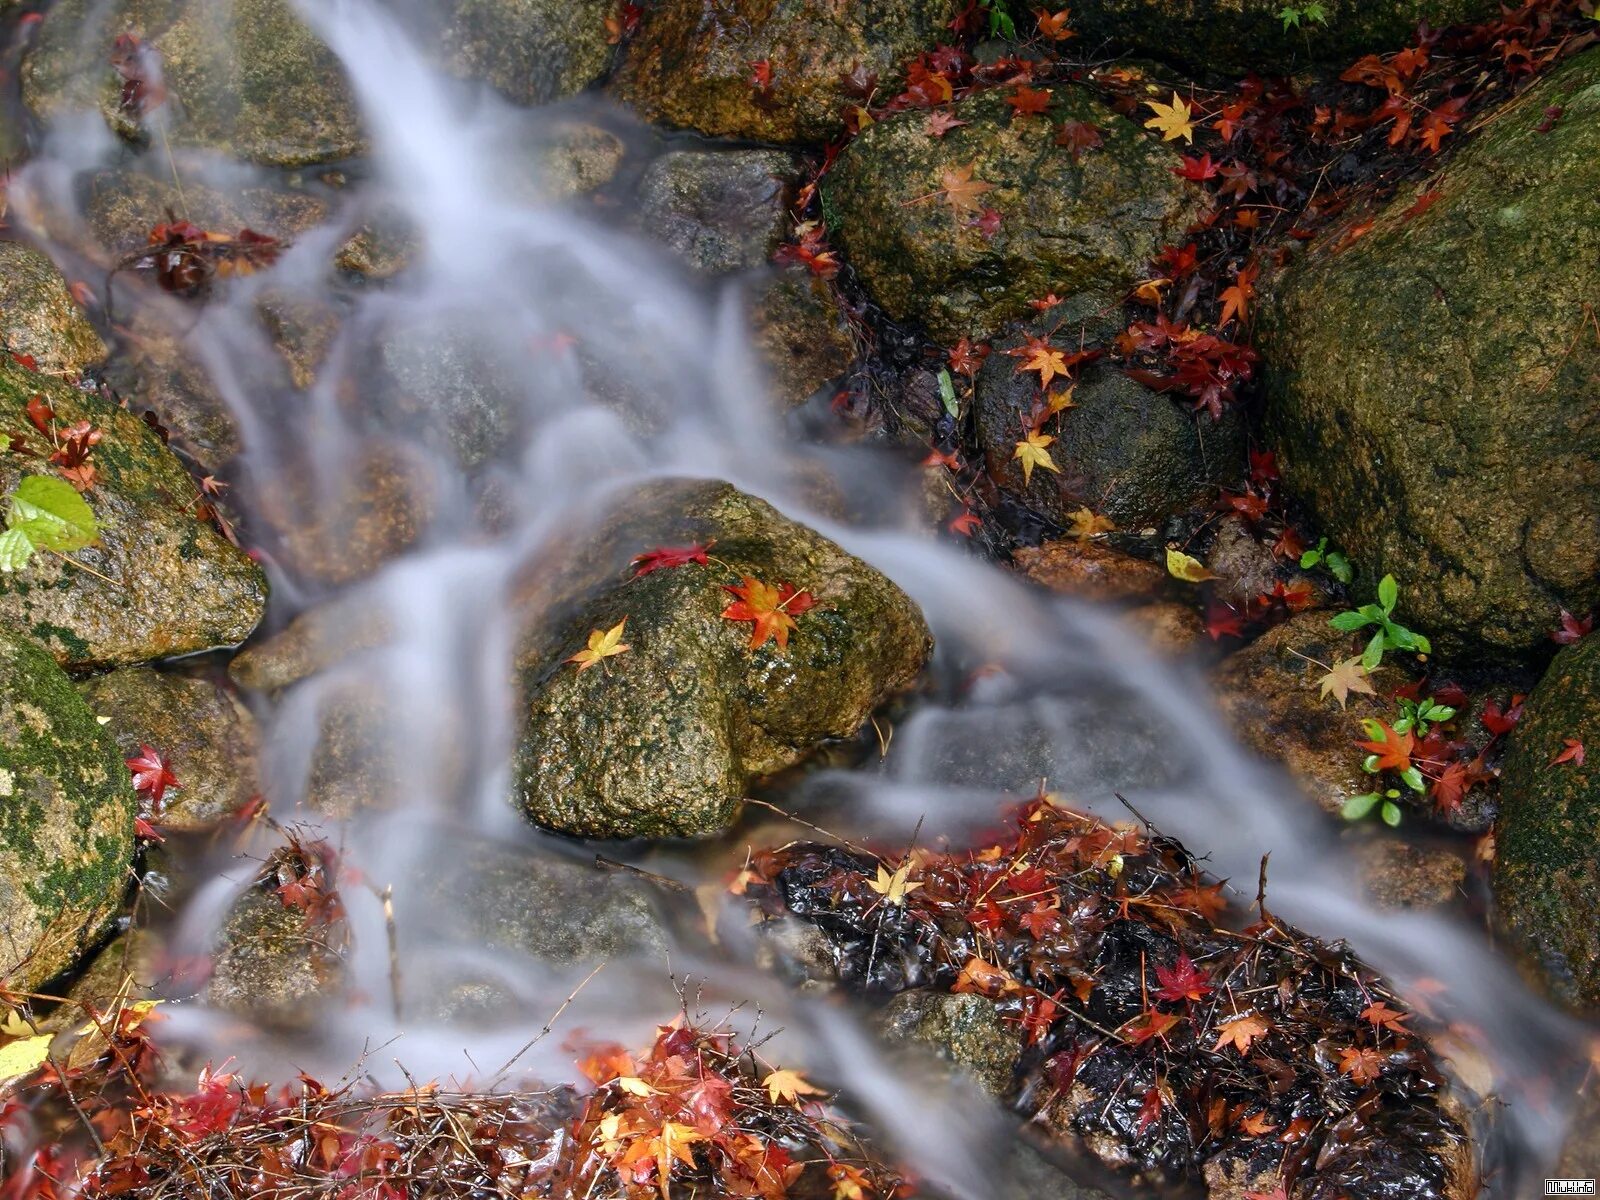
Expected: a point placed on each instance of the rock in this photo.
(158, 582)
(66, 821)
(800, 334)
(691, 63)
(244, 77)
(39, 319)
(1244, 566)
(1085, 229)
(1236, 36)
(967, 1030)
(1122, 450)
(721, 210)
(1580, 1154)
(1546, 873)
(1090, 570)
(1402, 875)
(532, 51)
(1168, 626)
(202, 731)
(664, 739)
(1270, 697)
(1431, 389)
(271, 965)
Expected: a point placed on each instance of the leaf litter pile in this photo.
(1163, 1041)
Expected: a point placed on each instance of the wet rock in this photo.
(1244, 566)
(38, 318)
(66, 819)
(272, 965)
(1270, 696)
(202, 731)
(1236, 36)
(800, 335)
(124, 970)
(245, 77)
(664, 739)
(158, 582)
(1122, 450)
(1580, 1155)
(1085, 229)
(1431, 394)
(691, 64)
(1169, 626)
(1090, 570)
(968, 1031)
(1403, 875)
(531, 51)
(1546, 873)
(721, 210)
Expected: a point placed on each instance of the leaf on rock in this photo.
(771, 610)
(1392, 749)
(1084, 525)
(1032, 451)
(664, 558)
(1344, 677)
(1173, 121)
(1571, 752)
(960, 190)
(1186, 567)
(893, 888)
(603, 644)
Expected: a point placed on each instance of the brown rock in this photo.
(1169, 626)
(1091, 570)
(1402, 875)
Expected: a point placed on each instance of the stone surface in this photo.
(719, 210)
(800, 334)
(691, 62)
(39, 319)
(1546, 872)
(1236, 36)
(531, 51)
(1084, 229)
(271, 965)
(1090, 570)
(966, 1030)
(66, 819)
(1169, 626)
(206, 736)
(1399, 874)
(1431, 388)
(245, 77)
(666, 738)
(158, 582)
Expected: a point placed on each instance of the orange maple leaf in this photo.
(1363, 1065)
(960, 190)
(772, 610)
(1393, 749)
(1236, 299)
(1240, 1032)
(1039, 355)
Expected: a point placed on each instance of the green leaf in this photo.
(1310, 559)
(1349, 622)
(1388, 593)
(1390, 814)
(51, 514)
(1315, 12)
(1359, 806)
(1373, 654)
(947, 393)
(1412, 778)
(1421, 644)
(1290, 18)
(1339, 566)
(16, 551)
(1441, 712)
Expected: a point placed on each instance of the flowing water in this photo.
(553, 312)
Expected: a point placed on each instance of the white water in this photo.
(1074, 698)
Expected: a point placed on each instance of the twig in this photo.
(548, 1025)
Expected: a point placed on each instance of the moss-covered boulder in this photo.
(1432, 387)
(1078, 224)
(272, 965)
(718, 210)
(665, 739)
(202, 731)
(531, 51)
(66, 819)
(158, 581)
(1236, 36)
(693, 64)
(1547, 871)
(245, 77)
(38, 317)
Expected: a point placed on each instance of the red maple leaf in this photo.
(966, 358)
(1571, 751)
(1571, 628)
(1078, 136)
(1197, 169)
(1393, 749)
(151, 774)
(664, 558)
(1040, 920)
(1182, 981)
(965, 524)
(1223, 620)
(1500, 721)
(1150, 1109)
(1028, 102)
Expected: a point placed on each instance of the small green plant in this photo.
(1386, 802)
(1391, 635)
(1331, 561)
(1419, 716)
(1000, 22)
(1390, 751)
(1300, 15)
(44, 513)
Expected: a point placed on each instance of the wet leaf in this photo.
(1186, 567)
(1033, 451)
(1172, 121)
(788, 1086)
(603, 644)
(770, 610)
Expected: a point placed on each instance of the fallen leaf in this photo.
(1344, 677)
(1032, 452)
(1240, 1032)
(1054, 26)
(1039, 355)
(664, 558)
(1078, 136)
(940, 122)
(603, 644)
(1571, 751)
(1383, 1017)
(893, 888)
(789, 1086)
(23, 1057)
(1182, 981)
(1393, 749)
(960, 189)
(771, 610)
(1173, 121)
(1084, 525)
(1362, 1065)
(1028, 102)
(1186, 567)
(151, 774)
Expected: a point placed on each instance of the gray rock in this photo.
(719, 210)
(800, 335)
(966, 1030)
(38, 317)
(66, 819)
(532, 51)
(271, 965)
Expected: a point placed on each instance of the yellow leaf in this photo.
(610, 1124)
(1182, 566)
(1346, 677)
(1175, 120)
(14, 1026)
(893, 888)
(1085, 525)
(1150, 290)
(788, 1085)
(23, 1057)
(603, 644)
(1032, 452)
(635, 1086)
(1061, 401)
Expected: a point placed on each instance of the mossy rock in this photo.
(968, 1031)
(199, 727)
(1232, 37)
(39, 318)
(717, 210)
(1432, 386)
(664, 740)
(66, 819)
(1546, 871)
(157, 582)
(800, 334)
(1078, 227)
(244, 77)
(691, 62)
(531, 51)
(272, 965)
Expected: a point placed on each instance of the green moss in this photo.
(71, 645)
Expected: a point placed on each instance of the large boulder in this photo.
(694, 64)
(1546, 873)
(1432, 385)
(1082, 223)
(158, 581)
(39, 318)
(1236, 36)
(532, 51)
(245, 77)
(665, 739)
(66, 819)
